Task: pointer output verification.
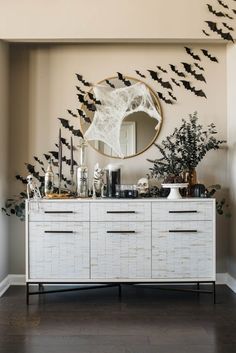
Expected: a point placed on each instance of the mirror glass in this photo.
(138, 130)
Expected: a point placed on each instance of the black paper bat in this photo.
(72, 114)
(227, 26)
(230, 17)
(68, 161)
(206, 34)
(208, 55)
(23, 180)
(223, 4)
(190, 52)
(31, 170)
(38, 160)
(161, 69)
(174, 69)
(234, 11)
(225, 35)
(172, 96)
(90, 106)
(140, 74)
(217, 13)
(86, 118)
(91, 96)
(175, 82)
(110, 84)
(187, 85)
(155, 77)
(85, 83)
(189, 69)
(65, 124)
(166, 100)
(80, 90)
(199, 67)
(47, 156)
(123, 79)
(64, 142)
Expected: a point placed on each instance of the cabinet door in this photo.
(59, 250)
(120, 250)
(182, 250)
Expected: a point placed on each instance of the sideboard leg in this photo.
(214, 292)
(120, 291)
(27, 293)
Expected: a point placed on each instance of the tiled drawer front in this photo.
(182, 211)
(59, 250)
(120, 250)
(182, 250)
(59, 211)
(120, 211)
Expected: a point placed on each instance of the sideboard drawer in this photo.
(182, 211)
(120, 250)
(59, 250)
(59, 211)
(120, 211)
(183, 250)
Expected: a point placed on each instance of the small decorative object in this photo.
(98, 183)
(32, 188)
(59, 162)
(115, 105)
(183, 150)
(49, 180)
(112, 179)
(72, 164)
(199, 190)
(126, 191)
(174, 190)
(143, 187)
(82, 172)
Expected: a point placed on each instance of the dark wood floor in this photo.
(145, 321)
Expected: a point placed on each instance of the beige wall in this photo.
(43, 86)
(103, 20)
(3, 158)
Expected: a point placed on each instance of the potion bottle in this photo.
(82, 174)
(49, 180)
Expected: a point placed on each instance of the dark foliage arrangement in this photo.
(184, 149)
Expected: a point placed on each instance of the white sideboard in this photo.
(123, 240)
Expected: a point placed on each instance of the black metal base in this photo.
(151, 285)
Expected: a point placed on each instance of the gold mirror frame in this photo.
(156, 102)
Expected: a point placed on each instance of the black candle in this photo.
(71, 156)
(60, 160)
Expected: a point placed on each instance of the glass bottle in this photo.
(49, 180)
(82, 173)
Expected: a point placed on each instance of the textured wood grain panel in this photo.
(78, 211)
(141, 211)
(59, 255)
(164, 211)
(182, 255)
(121, 255)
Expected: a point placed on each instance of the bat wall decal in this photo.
(80, 90)
(23, 180)
(199, 67)
(187, 85)
(214, 28)
(208, 55)
(38, 160)
(83, 116)
(191, 53)
(71, 113)
(161, 69)
(123, 79)
(175, 70)
(91, 96)
(189, 69)
(171, 95)
(85, 83)
(216, 13)
(140, 74)
(90, 106)
(223, 4)
(166, 100)
(227, 26)
(206, 34)
(110, 84)
(175, 82)
(66, 125)
(155, 77)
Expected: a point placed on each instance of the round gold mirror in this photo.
(130, 114)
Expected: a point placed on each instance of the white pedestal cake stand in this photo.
(174, 190)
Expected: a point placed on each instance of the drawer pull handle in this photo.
(58, 231)
(190, 211)
(120, 231)
(120, 211)
(58, 212)
(183, 231)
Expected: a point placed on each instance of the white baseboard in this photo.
(19, 280)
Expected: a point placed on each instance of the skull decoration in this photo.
(98, 183)
(143, 187)
(32, 188)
